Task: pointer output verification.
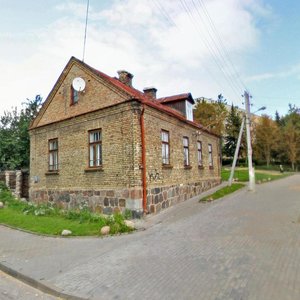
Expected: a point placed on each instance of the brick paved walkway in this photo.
(245, 246)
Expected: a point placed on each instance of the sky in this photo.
(205, 47)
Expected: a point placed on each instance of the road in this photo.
(244, 246)
(13, 289)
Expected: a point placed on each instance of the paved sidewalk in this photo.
(245, 246)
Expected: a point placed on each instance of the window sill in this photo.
(167, 166)
(200, 167)
(52, 173)
(97, 169)
(188, 167)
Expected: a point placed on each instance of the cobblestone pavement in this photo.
(245, 246)
(13, 289)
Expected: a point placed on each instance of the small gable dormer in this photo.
(182, 103)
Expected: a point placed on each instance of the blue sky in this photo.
(170, 44)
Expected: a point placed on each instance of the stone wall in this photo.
(159, 198)
(17, 182)
(105, 201)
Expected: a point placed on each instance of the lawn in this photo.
(47, 219)
(52, 225)
(222, 192)
(260, 175)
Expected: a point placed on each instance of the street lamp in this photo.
(262, 108)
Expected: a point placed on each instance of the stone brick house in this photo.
(112, 147)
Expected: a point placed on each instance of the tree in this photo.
(211, 115)
(14, 136)
(232, 129)
(266, 138)
(291, 135)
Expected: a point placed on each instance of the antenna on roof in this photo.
(86, 22)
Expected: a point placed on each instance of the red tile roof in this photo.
(157, 104)
(140, 96)
(174, 98)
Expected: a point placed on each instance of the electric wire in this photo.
(211, 49)
(85, 30)
(220, 39)
(171, 22)
(215, 50)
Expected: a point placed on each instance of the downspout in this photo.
(144, 174)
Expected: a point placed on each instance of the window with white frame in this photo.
(95, 148)
(189, 111)
(53, 155)
(199, 150)
(186, 151)
(210, 156)
(165, 147)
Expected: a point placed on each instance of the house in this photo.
(99, 142)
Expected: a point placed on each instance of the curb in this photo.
(46, 288)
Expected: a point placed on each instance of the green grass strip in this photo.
(52, 225)
(243, 175)
(222, 192)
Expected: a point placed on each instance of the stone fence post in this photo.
(19, 184)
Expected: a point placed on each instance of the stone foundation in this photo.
(163, 197)
(110, 201)
(101, 201)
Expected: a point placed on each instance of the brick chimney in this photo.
(150, 92)
(125, 77)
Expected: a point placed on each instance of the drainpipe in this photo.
(144, 175)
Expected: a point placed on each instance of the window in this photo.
(189, 111)
(199, 148)
(165, 147)
(186, 151)
(210, 157)
(53, 155)
(95, 148)
(74, 96)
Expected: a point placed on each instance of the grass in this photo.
(222, 192)
(47, 219)
(243, 176)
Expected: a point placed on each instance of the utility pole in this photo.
(236, 153)
(249, 146)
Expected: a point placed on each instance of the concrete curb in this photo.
(46, 288)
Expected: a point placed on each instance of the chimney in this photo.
(150, 92)
(125, 77)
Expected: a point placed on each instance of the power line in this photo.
(170, 21)
(85, 30)
(238, 77)
(215, 57)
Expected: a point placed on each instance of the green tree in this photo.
(211, 115)
(14, 136)
(232, 129)
(266, 138)
(290, 142)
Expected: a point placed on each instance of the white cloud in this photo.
(133, 35)
(290, 71)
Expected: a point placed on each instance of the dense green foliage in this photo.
(48, 219)
(14, 136)
(232, 129)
